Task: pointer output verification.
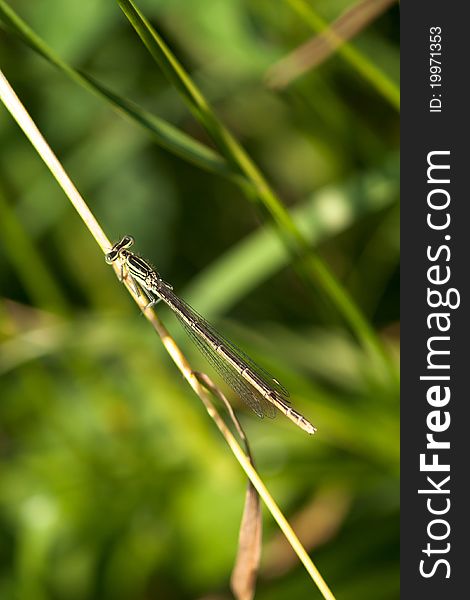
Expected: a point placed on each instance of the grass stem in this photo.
(19, 113)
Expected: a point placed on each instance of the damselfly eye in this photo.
(127, 241)
(111, 256)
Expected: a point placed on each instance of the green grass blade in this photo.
(199, 106)
(165, 134)
(311, 267)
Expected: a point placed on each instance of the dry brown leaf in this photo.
(245, 571)
(316, 50)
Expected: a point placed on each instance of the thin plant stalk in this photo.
(21, 116)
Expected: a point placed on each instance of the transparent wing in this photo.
(241, 386)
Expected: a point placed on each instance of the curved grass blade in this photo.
(165, 134)
(311, 268)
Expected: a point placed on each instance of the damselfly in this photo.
(254, 385)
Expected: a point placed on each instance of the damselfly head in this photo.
(116, 250)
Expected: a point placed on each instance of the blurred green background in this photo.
(114, 483)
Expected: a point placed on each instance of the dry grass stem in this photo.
(19, 113)
(21, 116)
(319, 48)
(245, 571)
